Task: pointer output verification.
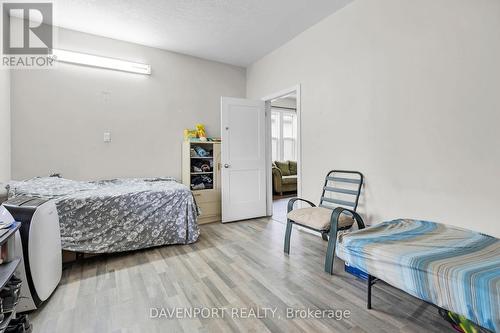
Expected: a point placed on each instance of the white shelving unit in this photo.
(208, 195)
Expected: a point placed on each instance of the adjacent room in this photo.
(250, 166)
(284, 152)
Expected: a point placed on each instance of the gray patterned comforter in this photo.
(119, 214)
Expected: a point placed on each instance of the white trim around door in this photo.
(269, 185)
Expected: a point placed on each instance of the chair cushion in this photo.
(292, 165)
(318, 218)
(283, 166)
(289, 179)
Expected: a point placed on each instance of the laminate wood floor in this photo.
(239, 265)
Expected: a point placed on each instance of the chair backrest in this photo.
(342, 189)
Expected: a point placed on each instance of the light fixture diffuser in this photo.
(100, 62)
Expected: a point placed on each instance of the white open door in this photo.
(243, 159)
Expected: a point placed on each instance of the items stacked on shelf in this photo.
(10, 285)
(202, 166)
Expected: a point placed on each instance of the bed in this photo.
(119, 214)
(452, 268)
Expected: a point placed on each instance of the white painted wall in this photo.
(408, 93)
(59, 115)
(4, 127)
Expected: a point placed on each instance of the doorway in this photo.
(283, 141)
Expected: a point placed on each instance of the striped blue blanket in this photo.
(453, 268)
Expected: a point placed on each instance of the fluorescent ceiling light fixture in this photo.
(100, 62)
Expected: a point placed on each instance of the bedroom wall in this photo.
(406, 92)
(59, 116)
(4, 127)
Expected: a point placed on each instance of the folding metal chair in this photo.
(341, 190)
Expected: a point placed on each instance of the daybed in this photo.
(452, 268)
(119, 214)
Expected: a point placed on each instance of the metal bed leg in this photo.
(370, 282)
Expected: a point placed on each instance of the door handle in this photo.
(226, 165)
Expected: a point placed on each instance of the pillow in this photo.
(293, 167)
(283, 166)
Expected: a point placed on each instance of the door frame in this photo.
(269, 176)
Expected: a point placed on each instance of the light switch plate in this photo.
(107, 136)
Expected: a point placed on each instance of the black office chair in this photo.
(341, 190)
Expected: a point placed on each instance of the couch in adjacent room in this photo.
(284, 176)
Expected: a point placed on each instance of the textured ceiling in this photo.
(237, 32)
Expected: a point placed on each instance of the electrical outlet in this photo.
(107, 136)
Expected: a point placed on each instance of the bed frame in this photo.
(371, 280)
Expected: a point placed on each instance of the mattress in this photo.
(453, 268)
(119, 214)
